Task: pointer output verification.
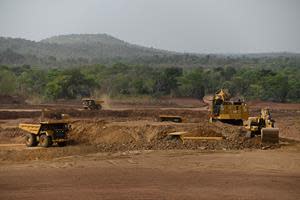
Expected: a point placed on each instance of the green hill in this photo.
(91, 48)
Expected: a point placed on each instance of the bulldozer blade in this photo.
(270, 135)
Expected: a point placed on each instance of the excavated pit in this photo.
(122, 130)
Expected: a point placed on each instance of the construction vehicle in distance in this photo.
(226, 110)
(91, 104)
(46, 133)
(264, 126)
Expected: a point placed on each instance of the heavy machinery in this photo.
(53, 128)
(91, 104)
(264, 126)
(46, 133)
(226, 110)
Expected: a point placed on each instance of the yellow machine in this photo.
(263, 125)
(46, 133)
(53, 128)
(228, 111)
(91, 104)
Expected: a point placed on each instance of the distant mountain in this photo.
(88, 46)
(81, 49)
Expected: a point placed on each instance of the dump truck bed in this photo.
(31, 128)
(35, 128)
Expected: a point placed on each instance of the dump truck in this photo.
(46, 133)
(263, 125)
(91, 104)
(228, 111)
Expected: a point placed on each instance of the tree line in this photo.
(280, 83)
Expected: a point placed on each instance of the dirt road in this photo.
(181, 174)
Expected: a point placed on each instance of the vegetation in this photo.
(68, 68)
(280, 83)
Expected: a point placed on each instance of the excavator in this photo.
(237, 113)
(228, 111)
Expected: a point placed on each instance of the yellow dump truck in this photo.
(46, 133)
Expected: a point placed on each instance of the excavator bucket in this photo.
(270, 135)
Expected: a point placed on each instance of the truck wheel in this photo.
(30, 140)
(62, 144)
(45, 141)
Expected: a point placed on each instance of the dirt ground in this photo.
(124, 152)
(176, 174)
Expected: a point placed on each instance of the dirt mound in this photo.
(11, 135)
(123, 136)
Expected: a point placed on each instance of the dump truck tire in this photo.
(45, 141)
(62, 144)
(30, 140)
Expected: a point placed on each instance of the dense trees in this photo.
(280, 83)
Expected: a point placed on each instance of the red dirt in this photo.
(126, 154)
(157, 175)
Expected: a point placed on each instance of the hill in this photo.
(86, 49)
(95, 48)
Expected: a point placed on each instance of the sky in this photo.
(199, 26)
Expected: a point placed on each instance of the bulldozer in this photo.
(264, 126)
(52, 128)
(91, 104)
(226, 110)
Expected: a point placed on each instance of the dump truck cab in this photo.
(46, 133)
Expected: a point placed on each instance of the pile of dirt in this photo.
(11, 135)
(124, 136)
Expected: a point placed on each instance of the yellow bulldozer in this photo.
(226, 110)
(264, 126)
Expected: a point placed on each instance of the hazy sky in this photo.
(203, 26)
